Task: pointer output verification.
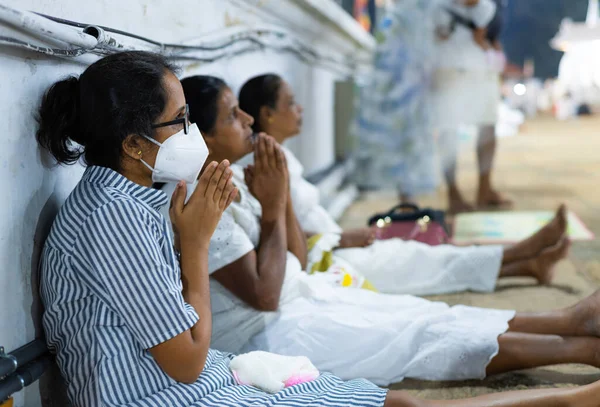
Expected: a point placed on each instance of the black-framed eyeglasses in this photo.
(185, 120)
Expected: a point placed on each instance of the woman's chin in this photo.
(250, 145)
(291, 135)
(241, 154)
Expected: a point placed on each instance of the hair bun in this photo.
(59, 120)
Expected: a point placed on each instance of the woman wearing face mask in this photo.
(127, 314)
(261, 298)
(396, 266)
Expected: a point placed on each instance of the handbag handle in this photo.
(414, 208)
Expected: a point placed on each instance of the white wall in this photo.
(314, 88)
(34, 189)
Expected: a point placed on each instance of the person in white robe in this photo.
(395, 266)
(262, 299)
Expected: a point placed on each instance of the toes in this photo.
(561, 215)
(562, 211)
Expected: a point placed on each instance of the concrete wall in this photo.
(34, 189)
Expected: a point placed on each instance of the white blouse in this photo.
(306, 199)
(236, 235)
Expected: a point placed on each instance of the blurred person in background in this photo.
(466, 90)
(396, 147)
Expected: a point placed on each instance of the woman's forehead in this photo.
(174, 92)
(227, 99)
(285, 90)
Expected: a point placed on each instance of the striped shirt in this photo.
(111, 287)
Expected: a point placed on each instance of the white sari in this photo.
(349, 332)
(396, 266)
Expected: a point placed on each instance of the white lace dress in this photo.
(349, 332)
(396, 266)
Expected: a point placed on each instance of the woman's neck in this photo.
(277, 136)
(135, 174)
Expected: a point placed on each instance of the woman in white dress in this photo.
(466, 91)
(262, 299)
(395, 266)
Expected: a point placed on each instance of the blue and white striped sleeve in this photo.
(122, 261)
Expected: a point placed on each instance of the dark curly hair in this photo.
(202, 94)
(119, 95)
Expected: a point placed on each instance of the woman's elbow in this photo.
(188, 376)
(188, 379)
(185, 366)
(190, 370)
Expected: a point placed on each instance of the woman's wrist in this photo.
(197, 244)
(274, 211)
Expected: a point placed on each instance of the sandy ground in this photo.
(550, 162)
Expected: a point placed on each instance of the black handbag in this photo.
(409, 222)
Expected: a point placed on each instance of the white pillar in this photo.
(593, 13)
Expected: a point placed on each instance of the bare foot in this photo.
(458, 205)
(547, 236)
(543, 266)
(550, 234)
(491, 199)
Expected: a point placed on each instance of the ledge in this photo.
(321, 21)
(336, 16)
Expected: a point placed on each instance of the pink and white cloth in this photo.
(270, 372)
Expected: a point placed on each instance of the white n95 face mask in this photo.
(180, 157)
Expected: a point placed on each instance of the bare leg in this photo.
(486, 150)
(449, 150)
(519, 350)
(524, 350)
(548, 236)
(540, 267)
(456, 201)
(585, 396)
(581, 319)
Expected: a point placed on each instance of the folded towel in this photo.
(271, 372)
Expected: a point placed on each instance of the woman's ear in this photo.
(133, 147)
(266, 117)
